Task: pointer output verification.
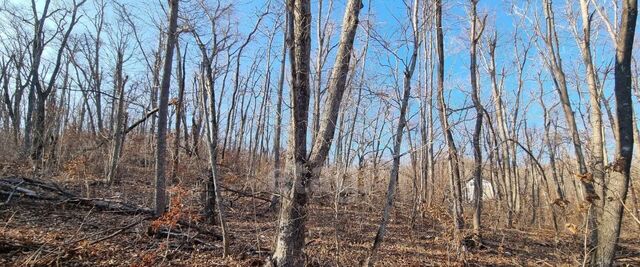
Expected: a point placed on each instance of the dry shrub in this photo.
(178, 210)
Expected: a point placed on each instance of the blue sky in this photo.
(388, 17)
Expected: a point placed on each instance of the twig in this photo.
(119, 231)
(245, 194)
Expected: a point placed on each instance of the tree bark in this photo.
(161, 141)
(554, 63)
(453, 161)
(476, 33)
(275, 200)
(180, 70)
(611, 218)
(291, 226)
(119, 122)
(301, 168)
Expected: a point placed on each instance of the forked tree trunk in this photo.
(42, 90)
(299, 167)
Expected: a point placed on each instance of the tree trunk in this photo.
(321, 58)
(299, 167)
(161, 142)
(119, 122)
(554, 63)
(180, 70)
(291, 226)
(476, 33)
(397, 142)
(213, 197)
(454, 167)
(610, 220)
(275, 200)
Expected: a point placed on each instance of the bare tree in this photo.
(453, 160)
(180, 107)
(278, 123)
(119, 83)
(611, 218)
(93, 45)
(161, 142)
(42, 90)
(236, 82)
(475, 96)
(208, 104)
(397, 142)
(300, 167)
(553, 61)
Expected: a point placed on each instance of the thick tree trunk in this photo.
(300, 167)
(610, 220)
(291, 226)
(160, 201)
(337, 84)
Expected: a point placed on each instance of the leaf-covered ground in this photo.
(50, 232)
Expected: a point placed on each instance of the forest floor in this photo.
(39, 232)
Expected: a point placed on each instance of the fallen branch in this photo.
(119, 231)
(245, 194)
(126, 131)
(18, 184)
(199, 229)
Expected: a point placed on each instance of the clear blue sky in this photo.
(388, 17)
